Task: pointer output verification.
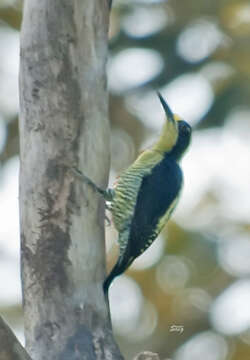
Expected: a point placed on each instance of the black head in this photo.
(183, 140)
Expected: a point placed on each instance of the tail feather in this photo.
(109, 280)
(122, 264)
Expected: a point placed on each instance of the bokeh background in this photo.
(197, 273)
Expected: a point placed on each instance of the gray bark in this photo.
(64, 123)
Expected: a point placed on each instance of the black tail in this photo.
(122, 264)
(116, 271)
(108, 282)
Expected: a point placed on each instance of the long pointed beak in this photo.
(166, 108)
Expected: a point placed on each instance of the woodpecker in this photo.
(147, 193)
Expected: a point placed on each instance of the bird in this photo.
(146, 194)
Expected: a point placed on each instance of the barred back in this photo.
(127, 189)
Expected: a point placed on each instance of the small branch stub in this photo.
(10, 348)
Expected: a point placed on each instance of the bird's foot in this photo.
(107, 194)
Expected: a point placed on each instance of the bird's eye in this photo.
(186, 129)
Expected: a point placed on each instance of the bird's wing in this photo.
(157, 198)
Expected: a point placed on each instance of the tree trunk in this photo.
(64, 123)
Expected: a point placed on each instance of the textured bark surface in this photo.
(10, 348)
(64, 123)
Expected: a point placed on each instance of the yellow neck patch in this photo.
(168, 135)
(177, 117)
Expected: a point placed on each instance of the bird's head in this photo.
(176, 133)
